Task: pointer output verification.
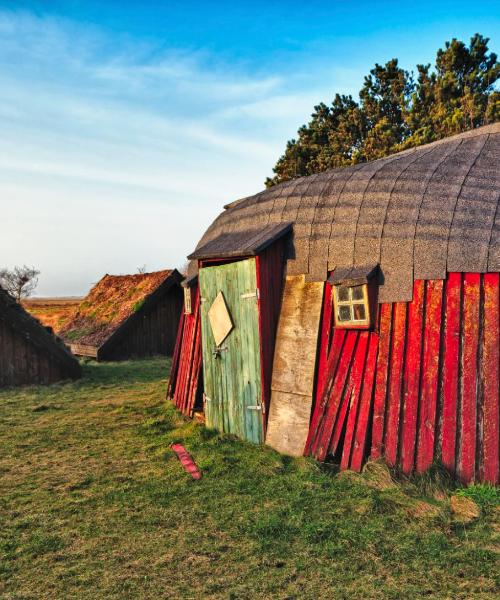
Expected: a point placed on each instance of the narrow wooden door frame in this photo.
(234, 383)
(270, 273)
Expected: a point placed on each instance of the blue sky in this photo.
(125, 126)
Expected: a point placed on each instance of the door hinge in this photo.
(254, 294)
(254, 407)
(202, 299)
(206, 398)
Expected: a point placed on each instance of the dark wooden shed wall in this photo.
(153, 332)
(22, 363)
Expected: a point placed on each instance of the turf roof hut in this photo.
(126, 316)
(29, 352)
(383, 339)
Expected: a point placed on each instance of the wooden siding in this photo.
(423, 387)
(292, 384)
(270, 285)
(152, 332)
(185, 383)
(23, 363)
(232, 371)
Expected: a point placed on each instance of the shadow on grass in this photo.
(146, 370)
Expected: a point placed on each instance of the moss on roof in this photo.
(109, 304)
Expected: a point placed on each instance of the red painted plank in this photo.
(491, 380)
(411, 377)
(269, 269)
(451, 360)
(356, 377)
(341, 415)
(185, 376)
(184, 364)
(430, 368)
(195, 374)
(322, 401)
(395, 383)
(187, 408)
(379, 402)
(324, 348)
(321, 444)
(470, 333)
(186, 461)
(174, 369)
(360, 439)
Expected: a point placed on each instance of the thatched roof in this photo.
(41, 337)
(111, 302)
(420, 214)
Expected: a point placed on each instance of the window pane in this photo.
(343, 293)
(357, 292)
(344, 313)
(359, 312)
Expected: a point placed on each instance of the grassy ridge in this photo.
(93, 504)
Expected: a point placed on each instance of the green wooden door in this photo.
(232, 369)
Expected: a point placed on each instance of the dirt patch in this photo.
(464, 509)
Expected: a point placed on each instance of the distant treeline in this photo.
(396, 111)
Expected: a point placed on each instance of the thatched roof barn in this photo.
(29, 352)
(126, 316)
(355, 313)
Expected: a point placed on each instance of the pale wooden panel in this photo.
(288, 422)
(294, 364)
(84, 350)
(297, 336)
(220, 319)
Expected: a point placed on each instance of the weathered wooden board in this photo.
(294, 364)
(232, 372)
(83, 350)
(490, 376)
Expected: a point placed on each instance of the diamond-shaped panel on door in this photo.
(220, 319)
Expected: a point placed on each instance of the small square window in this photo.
(187, 301)
(359, 312)
(351, 306)
(343, 293)
(357, 292)
(345, 313)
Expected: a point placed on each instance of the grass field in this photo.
(52, 312)
(93, 504)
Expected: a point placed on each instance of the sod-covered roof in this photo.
(419, 214)
(113, 300)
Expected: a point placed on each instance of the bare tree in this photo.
(142, 269)
(20, 282)
(183, 270)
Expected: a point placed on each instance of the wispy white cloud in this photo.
(115, 153)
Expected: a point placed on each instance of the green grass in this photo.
(93, 504)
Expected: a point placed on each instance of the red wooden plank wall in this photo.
(185, 373)
(424, 387)
(270, 283)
